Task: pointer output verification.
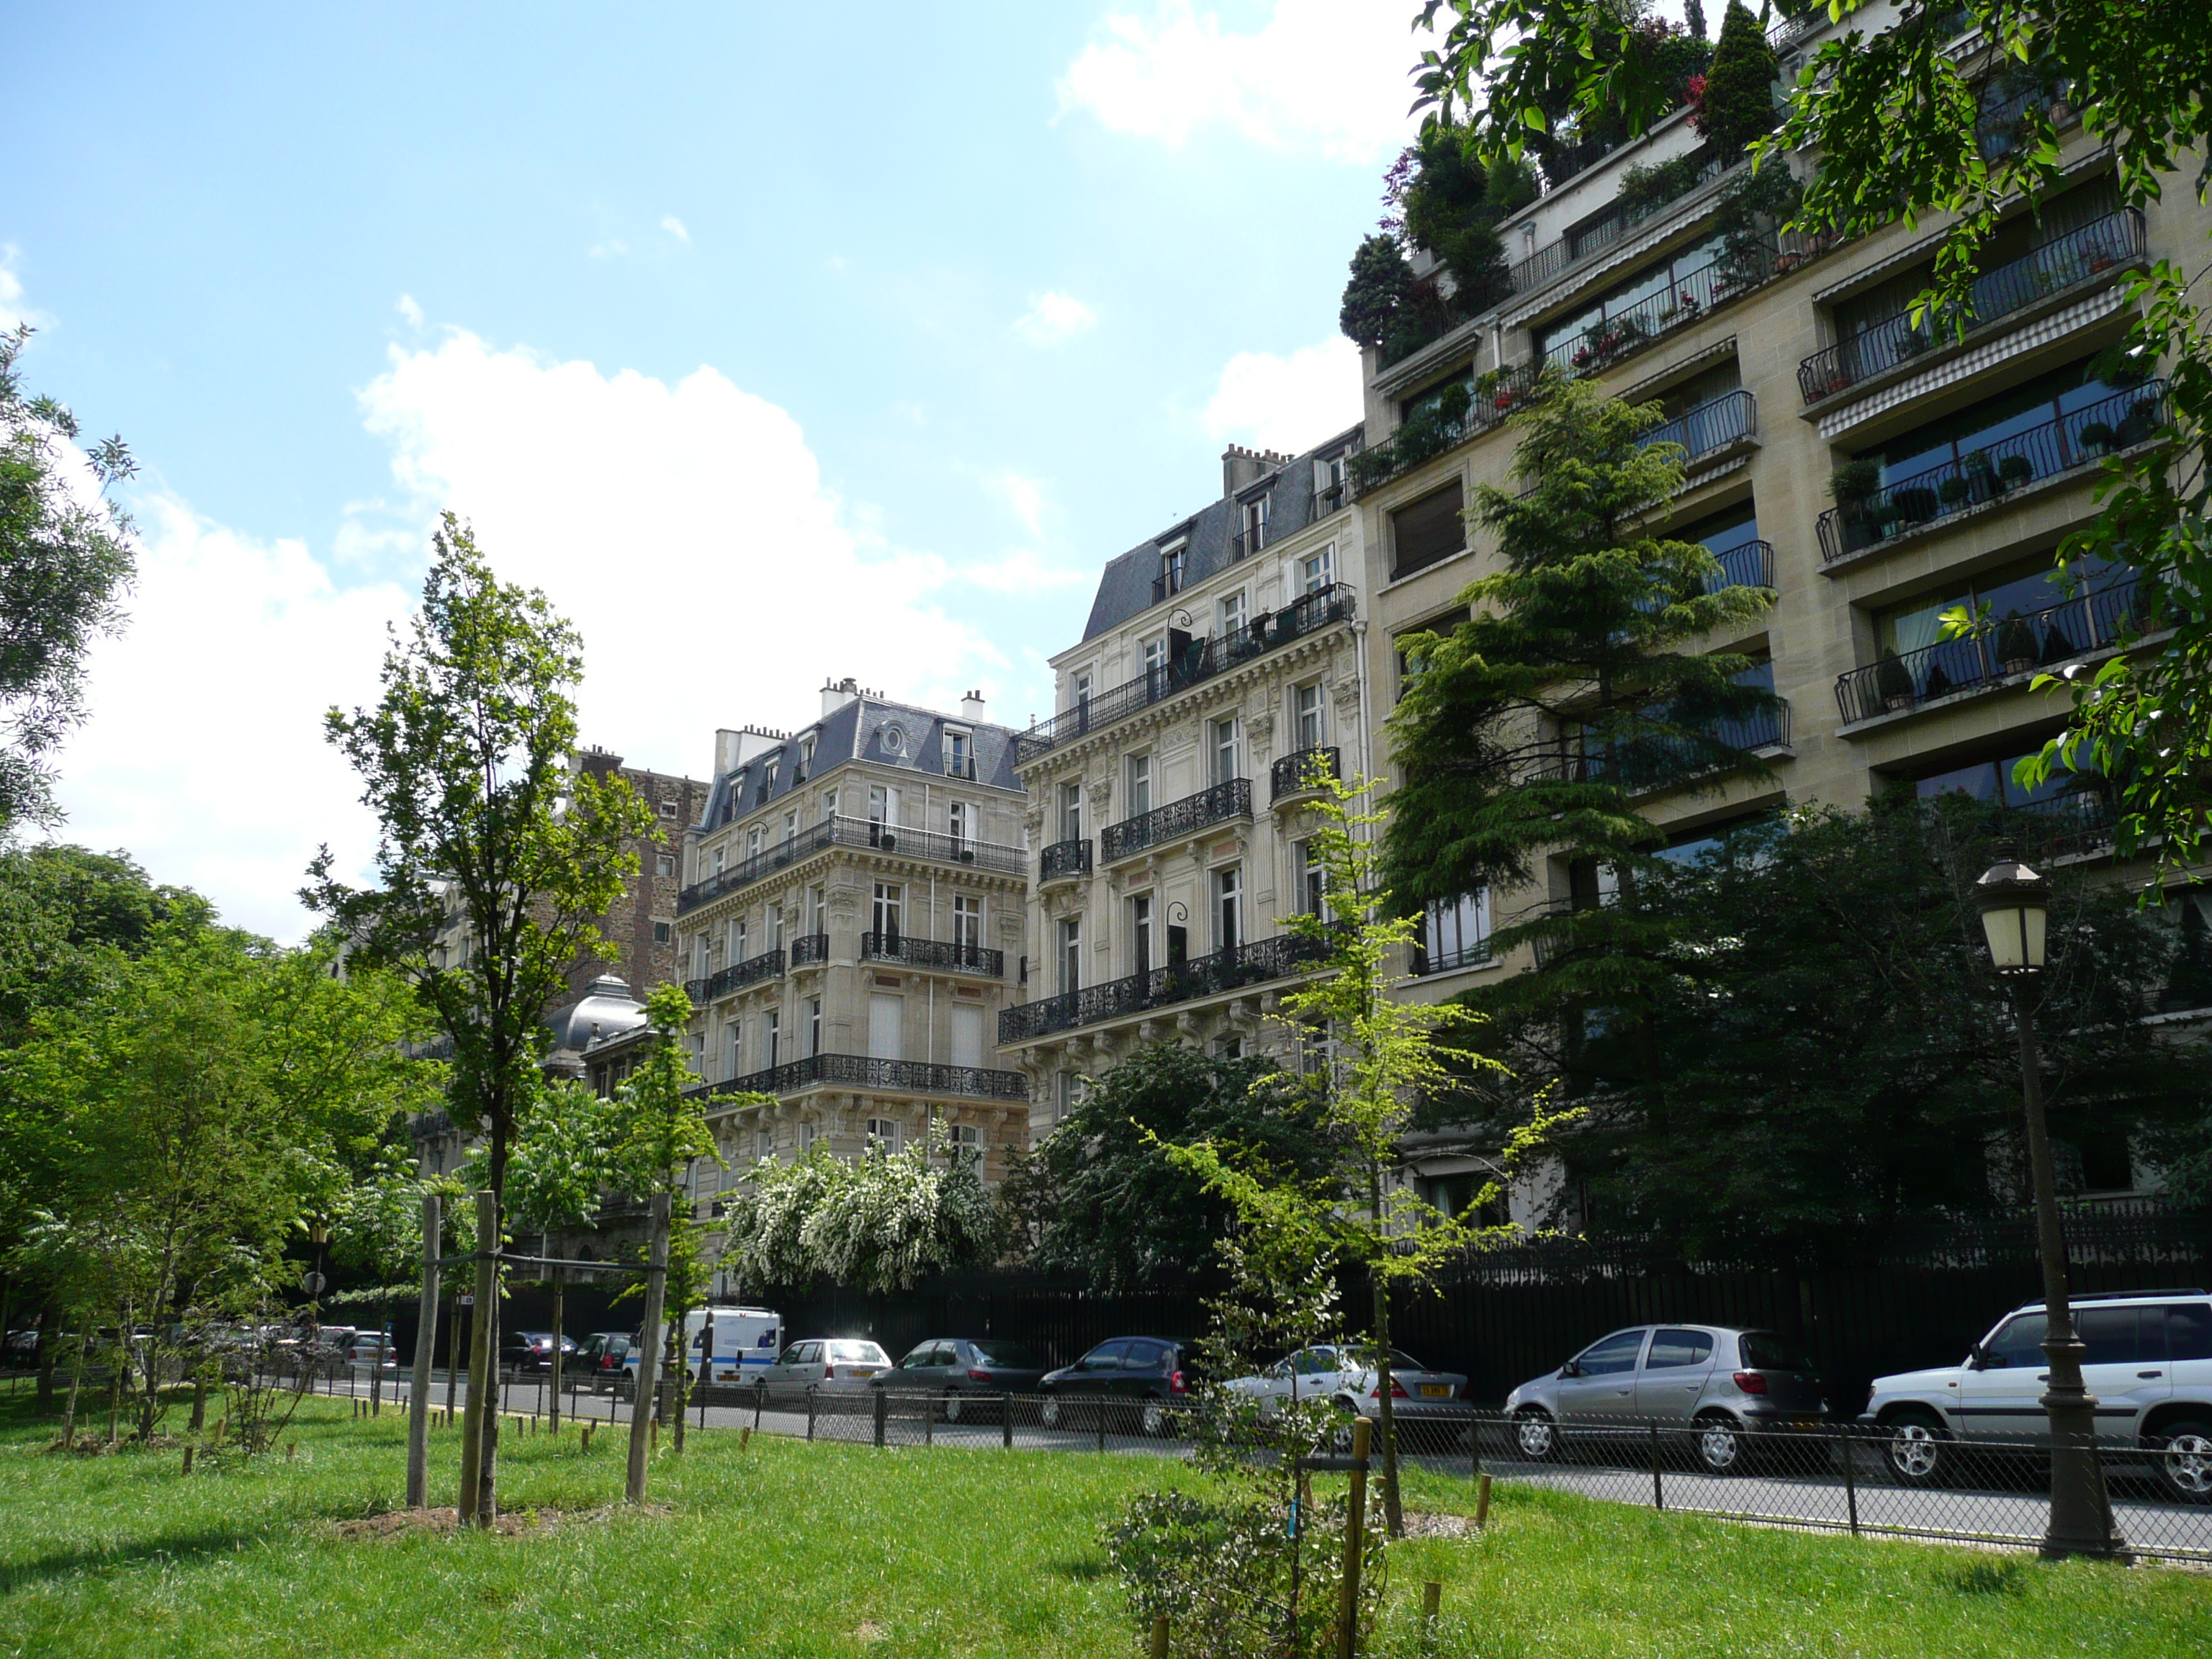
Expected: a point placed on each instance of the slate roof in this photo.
(1125, 589)
(861, 730)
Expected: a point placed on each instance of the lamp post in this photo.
(2015, 904)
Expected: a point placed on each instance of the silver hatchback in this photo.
(1714, 1381)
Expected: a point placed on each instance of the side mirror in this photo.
(1979, 1358)
(1572, 1368)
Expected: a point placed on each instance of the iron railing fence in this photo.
(841, 830)
(1688, 298)
(1659, 763)
(1595, 235)
(768, 965)
(1710, 426)
(1202, 660)
(933, 953)
(1218, 804)
(1326, 500)
(912, 1077)
(1182, 982)
(2004, 650)
(810, 949)
(1423, 439)
(1994, 470)
(1290, 775)
(2099, 248)
(1064, 859)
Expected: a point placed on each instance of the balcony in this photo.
(1178, 818)
(1200, 661)
(933, 953)
(960, 766)
(1063, 861)
(2097, 249)
(2006, 650)
(810, 949)
(1245, 543)
(906, 1076)
(1989, 474)
(862, 833)
(1166, 586)
(1645, 765)
(1325, 501)
(1624, 332)
(1601, 232)
(1710, 427)
(1290, 775)
(1231, 969)
(768, 965)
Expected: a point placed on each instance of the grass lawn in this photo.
(830, 1550)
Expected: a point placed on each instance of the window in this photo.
(828, 804)
(894, 740)
(772, 1038)
(1673, 1349)
(790, 827)
(1171, 568)
(1140, 934)
(767, 777)
(806, 759)
(737, 939)
(1082, 684)
(1063, 1095)
(1071, 954)
(1685, 280)
(883, 1132)
(813, 1025)
(1996, 424)
(1255, 526)
(1317, 570)
(1140, 785)
(664, 865)
(1155, 659)
(2020, 589)
(1992, 781)
(1311, 727)
(1229, 908)
(1427, 532)
(1229, 1048)
(883, 815)
(1455, 933)
(1312, 879)
(753, 845)
(1413, 659)
(764, 1143)
(775, 927)
(965, 1138)
(699, 1053)
(960, 821)
(959, 754)
(1225, 756)
(668, 809)
(701, 957)
(889, 901)
(1071, 811)
(1230, 613)
(968, 925)
(1615, 1355)
(733, 1045)
(660, 933)
(807, 1131)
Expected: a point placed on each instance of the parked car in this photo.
(828, 1363)
(23, 1346)
(958, 1367)
(601, 1360)
(367, 1351)
(1148, 1371)
(1348, 1377)
(532, 1350)
(2147, 1357)
(1714, 1380)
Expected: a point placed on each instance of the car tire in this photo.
(1919, 1449)
(1050, 1412)
(953, 1406)
(1722, 1449)
(1535, 1435)
(1155, 1419)
(2186, 1468)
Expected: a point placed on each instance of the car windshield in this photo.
(1764, 1351)
(857, 1353)
(1006, 1353)
(1400, 1359)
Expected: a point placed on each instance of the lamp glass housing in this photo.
(2016, 932)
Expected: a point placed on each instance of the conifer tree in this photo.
(1740, 87)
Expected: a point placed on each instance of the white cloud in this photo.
(1326, 74)
(674, 227)
(411, 311)
(1054, 317)
(1025, 498)
(13, 311)
(610, 249)
(1288, 403)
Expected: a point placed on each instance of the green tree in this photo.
(1104, 1200)
(64, 565)
(487, 829)
(1739, 102)
(1380, 292)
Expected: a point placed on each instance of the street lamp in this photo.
(2014, 904)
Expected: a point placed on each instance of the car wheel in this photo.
(1536, 1437)
(2187, 1464)
(1720, 1446)
(1919, 1449)
(1154, 1419)
(1049, 1411)
(952, 1407)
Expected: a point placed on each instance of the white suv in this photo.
(2147, 1359)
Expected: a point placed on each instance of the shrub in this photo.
(2115, 366)
(2015, 470)
(1915, 503)
(2097, 436)
(1892, 678)
(1381, 288)
(1739, 101)
(2015, 638)
(1954, 490)
(1646, 186)
(1856, 480)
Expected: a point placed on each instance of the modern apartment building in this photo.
(852, 905)
(1873, 471)
(1168, 794)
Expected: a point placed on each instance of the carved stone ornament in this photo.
(1346, 693)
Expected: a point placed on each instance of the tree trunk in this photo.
(76, 1376)
(554, 1417)
(679, 1372)
(50, 1350)
(1394, 1514)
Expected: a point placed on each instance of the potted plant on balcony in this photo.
(1955, 491)
(1939, 684)
(2016, 643)
(2056, 647)
(1915, 503)
(2096, 438)
(2013, 471)
(1892, 680)
(2137, 424)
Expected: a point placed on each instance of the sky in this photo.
(772, 353)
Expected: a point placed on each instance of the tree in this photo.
(1738, 107)
(1532, 729)
(1903, 126)
(1380, 290)
(486, 828)
(1105, 1202)
(64, 562)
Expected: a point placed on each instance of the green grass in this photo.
(831, 1550)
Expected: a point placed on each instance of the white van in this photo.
(725, 1343)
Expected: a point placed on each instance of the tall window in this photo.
(814, 905)
(699, 1053)
(1255, 524)
(1071, 811)
(959, 754)
(791, 826)
(1225, 756)
(813, 1025)
(1171, 566)
(1156, 660)
(1229, 612)
(764, 1143)
(1312, 886)
(883, 813)
(1457, 931)
(807, 1131)
(1312, 730)
(890, 902)
(1318, 570)
(701, 957)
(883, 1132)
(735, 1039)
(1229, 908)
(960, 819)
(806, 759)
(752, 843)
(1083, 688)
(772, 1036)
(1071, 954)
(1140, 934)
(1063, 1095)
(738, 938)
(828, 804)
(968, 924)
(775, 927)
(1140, 785)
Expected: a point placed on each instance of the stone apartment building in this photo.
(849, 927)
(1784, 376)
(1167, 794)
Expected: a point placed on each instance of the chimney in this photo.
(971, 704)
(837, 695)
(1241, 466)
(726, 751)
(734, 749)
(599, 763)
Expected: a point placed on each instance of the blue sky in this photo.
(772, 351)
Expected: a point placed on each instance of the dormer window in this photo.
(1256, 528)
(959, 754)
(805, 761)
(1172, 570)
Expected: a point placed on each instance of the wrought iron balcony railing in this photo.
(1244, 544)
(906, 1076)
(1641, 766)
(1710, 427)
(1325, 501)
(2102, 247)
(1686, 298)
(1177, 819)
(1597, 235)
(810, 949)
(1989, 473)
(1202, 661)
(768, 965)
(1182, 982)
(1290, 775)
(960, 766)
(860, 833)
(1064, 859)
(2004, 650)
(933, 953)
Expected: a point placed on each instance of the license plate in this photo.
(864, 1370)
(1807, 1423)
(1435, 1391)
